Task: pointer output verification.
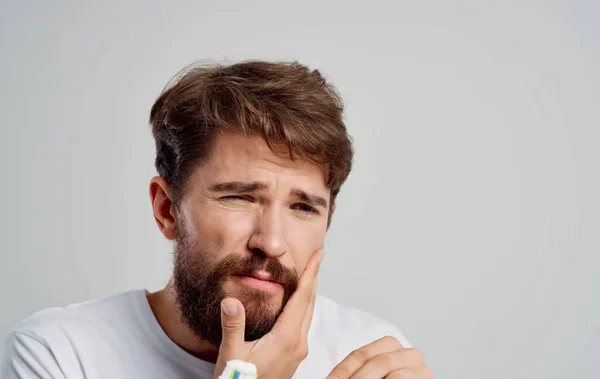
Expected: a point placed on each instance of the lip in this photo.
(262, 275)
(260, 281)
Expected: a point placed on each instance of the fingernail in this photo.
(229, 308)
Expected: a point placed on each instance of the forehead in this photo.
(234, 155)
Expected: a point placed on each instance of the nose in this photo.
(268, 236)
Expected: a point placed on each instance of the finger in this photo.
(419, 373)
(358, 358)
(233, 324)
(311, 308)
(383, 364)
(407, 373)
(291, 319)
(309, 312)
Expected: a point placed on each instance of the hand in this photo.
(277, 354)
(384, 358)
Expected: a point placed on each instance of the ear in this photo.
(163, 207)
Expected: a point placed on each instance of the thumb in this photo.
(233, 323)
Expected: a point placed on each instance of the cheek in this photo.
(303, 241)
(222, 230)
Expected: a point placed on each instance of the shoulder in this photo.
(52, 321)
(351, 326)
(49, 340)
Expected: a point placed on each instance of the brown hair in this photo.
(292, 107)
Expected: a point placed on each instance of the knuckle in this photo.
(231, 327)
(308, 293)
(303, 352)
(291, 344)
(360, 355)
(416, 356)
(392, 341)
(385, 361)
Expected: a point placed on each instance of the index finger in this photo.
(294, 312)
(349, 366)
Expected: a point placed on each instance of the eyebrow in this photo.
(313, 200)
(244, 187)
(239, 187)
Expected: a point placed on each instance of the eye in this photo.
(235, 197)
(304, 208)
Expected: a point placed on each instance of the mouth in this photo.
(260, 281)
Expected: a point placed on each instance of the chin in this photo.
(265, 307)
(255, 301)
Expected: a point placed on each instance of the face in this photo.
(247, 224)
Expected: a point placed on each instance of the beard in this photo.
(199, 286)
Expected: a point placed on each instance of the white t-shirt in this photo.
(119, 337)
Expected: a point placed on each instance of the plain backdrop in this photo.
(471, 218)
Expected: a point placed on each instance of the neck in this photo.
(165, 309)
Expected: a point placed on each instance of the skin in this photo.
(277, 221)
(384, 358)
(273, 220)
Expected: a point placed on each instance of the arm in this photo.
(26, 357)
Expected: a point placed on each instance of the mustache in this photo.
(235, 265)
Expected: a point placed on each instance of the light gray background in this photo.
(471, 218)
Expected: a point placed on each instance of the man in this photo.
(250, 159)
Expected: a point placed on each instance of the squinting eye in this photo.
(306, 208)
(235, 198)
